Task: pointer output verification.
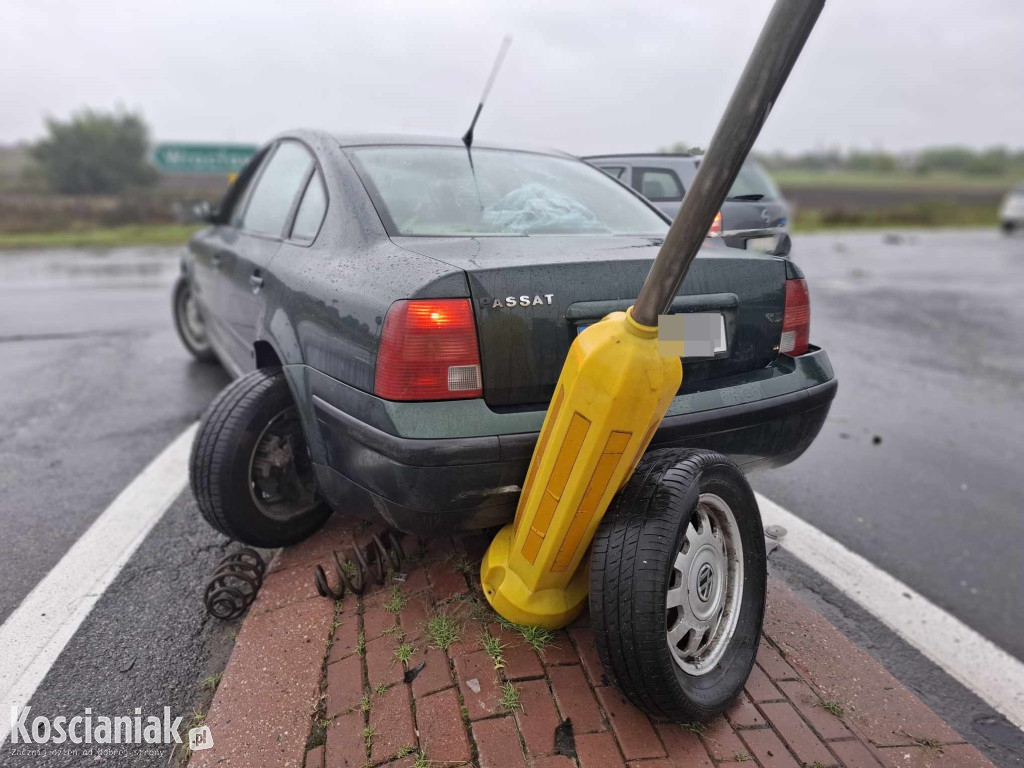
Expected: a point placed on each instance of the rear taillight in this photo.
(428, 351)
(796, 322)
(716, 226)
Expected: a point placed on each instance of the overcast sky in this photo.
(585, 77)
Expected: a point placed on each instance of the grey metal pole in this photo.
(783, 37)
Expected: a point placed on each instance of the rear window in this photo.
(447, 191)
(753, 183)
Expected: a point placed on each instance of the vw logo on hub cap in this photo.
(705, 582)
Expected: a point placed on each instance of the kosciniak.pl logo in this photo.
(94, 729)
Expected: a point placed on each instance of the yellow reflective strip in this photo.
(566, 460)
(606, 465)
(549, 425)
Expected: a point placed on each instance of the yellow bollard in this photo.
(611, 396)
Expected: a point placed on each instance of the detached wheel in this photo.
(189, 323)
(250, 468)
(677, 584)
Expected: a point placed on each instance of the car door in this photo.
(661, 186)
(268, 211)
(214, 251)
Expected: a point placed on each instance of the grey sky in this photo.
(582, 76)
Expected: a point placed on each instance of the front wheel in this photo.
(677, 584)
(250, 470)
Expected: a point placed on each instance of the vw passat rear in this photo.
(411, 303)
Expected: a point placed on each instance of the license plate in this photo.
(762, 244)
(718, 344)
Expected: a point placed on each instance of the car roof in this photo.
(402, 139)
(663, 155)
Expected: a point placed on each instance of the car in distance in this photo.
(1011, 212)
(754, 215)
(397, 311)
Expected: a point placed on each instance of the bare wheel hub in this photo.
(281, 477)
(703, 599)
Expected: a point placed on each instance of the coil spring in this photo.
(234, 584)
(383, 553)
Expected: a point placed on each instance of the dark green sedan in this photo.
(397, 310)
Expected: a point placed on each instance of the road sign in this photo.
(202, 158)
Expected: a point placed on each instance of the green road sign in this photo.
(202, 158)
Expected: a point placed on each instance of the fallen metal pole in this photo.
(783, 37)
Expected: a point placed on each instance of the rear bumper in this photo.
(441, 485)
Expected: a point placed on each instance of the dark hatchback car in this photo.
(754, 216)
(398, 310)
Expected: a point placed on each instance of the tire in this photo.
(189, 324)
(239, 452)
(632, 570)
(1008, 227)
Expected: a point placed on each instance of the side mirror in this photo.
(783, 245)
(194, 211)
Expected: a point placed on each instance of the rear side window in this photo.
(615, 171)
(278, 185)
(658, 184)
(311, 211)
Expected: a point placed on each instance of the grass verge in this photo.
(142, 234)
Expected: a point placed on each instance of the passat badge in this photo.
(536, 300)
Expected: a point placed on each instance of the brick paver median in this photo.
(320, 684)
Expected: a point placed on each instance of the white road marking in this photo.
(36, 632)
(977, 663)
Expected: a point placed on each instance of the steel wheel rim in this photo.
(191, 321)
(282, 482)
(702, 604)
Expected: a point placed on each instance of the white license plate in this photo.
(762, 244)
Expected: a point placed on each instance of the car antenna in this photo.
(506, 41)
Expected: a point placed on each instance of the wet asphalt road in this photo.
(924, 335)
(927, 338)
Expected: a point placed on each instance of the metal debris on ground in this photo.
(234, 584)
(383, 553)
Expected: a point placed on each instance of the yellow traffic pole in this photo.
(615, 388)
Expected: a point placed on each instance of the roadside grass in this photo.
(923, 214)
(893, 180)
(112, 237)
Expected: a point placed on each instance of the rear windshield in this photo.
(446, 191)
(753, 183)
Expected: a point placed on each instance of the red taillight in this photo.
(716, 226)
(796, 322)
(428, 351)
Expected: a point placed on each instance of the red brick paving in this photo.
(442, 734)
(598, 750)
(684, 747)
(764, 744)
(575, 698)
(795, 732)
(263, 711)
(391, 722)
(853, 754)
(434, 676)
(721, 741)
(743, 714)
(633, 730)
(497, 743)
(344, 685)
(537, 716)
(476, 671)
(345, 741)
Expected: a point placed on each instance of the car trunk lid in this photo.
(531, 295)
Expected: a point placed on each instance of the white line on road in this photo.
(978, 664)
(34, 635)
